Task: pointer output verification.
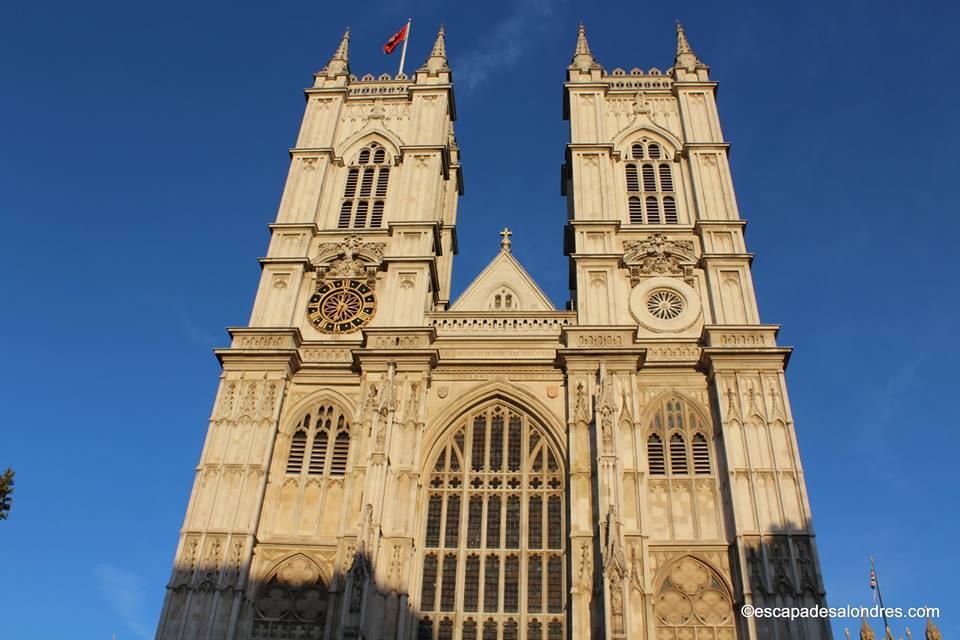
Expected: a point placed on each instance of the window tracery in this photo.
(320, 444)
(693, 602)
(493, 561)
(292, 605)
(678, 442)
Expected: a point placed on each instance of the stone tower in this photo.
(383, 462)
(694, 463)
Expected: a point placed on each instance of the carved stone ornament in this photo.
(613, 557)
(352, 258)
(358, 575)
(581, 410)
(585, 577)
(657, 255)
(388, 403)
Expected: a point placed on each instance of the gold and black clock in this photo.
(341, 306)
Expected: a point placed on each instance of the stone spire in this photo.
(932, 632)
(340, 62)
(438, 57)
(685, 56)
(866, 632)
(582, 58)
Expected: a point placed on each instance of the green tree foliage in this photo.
(6, 493)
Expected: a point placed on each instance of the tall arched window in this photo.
(493, 563)
(292, 604)
(365, 190)
(688, 449)
(320, 444)
(650, 192)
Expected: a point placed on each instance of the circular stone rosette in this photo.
(664, 305)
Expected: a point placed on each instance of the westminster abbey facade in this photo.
(385, 462)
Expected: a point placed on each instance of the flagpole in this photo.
(403, 54)
(883, 611)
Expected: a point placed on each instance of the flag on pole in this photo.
(396, 39)
(873, 578)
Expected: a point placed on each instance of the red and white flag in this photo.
(873, 578)
(395, 40)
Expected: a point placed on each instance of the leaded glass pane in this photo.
(429, 587)
(433, 521)
(491, 584)
(448, 590)
(452, 530)
(513, 522)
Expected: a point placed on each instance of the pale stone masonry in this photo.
(383, 462)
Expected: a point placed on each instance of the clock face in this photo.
(341, 306)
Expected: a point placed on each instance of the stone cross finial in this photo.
(505, 243)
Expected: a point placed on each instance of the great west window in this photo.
(493, 566)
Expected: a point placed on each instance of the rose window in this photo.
(664, 304)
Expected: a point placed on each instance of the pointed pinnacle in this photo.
(440, 46)
(932, 633)
(438, 57)
(582, 58)
(339, 63)
(582, 45)
(685, 56)
(343, 50)
(683, 46)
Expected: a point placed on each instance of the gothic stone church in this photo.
(385, 462)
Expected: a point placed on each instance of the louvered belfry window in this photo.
(678, 443)
(493, 563)
(651, 198)
(320, 443)
(365, 190)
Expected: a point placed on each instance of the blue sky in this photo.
(143, 151)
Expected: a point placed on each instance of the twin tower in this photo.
(385, 462)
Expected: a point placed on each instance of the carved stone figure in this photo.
(658, 255)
